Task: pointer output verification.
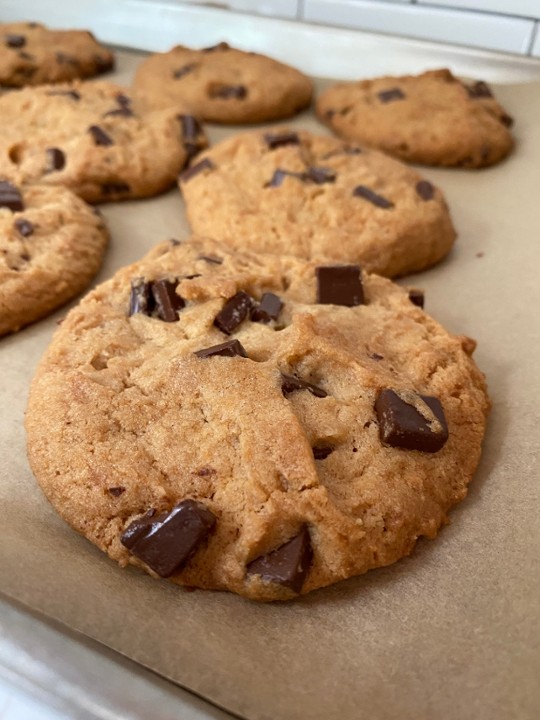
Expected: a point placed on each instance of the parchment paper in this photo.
(452, 632)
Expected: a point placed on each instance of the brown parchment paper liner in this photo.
(452, 632)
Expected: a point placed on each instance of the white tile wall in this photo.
(496, 32)
(277, 8)
(527, 8)
(536, 45)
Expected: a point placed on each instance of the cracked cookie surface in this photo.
(185, 422)
(433, 118)
(290, 191)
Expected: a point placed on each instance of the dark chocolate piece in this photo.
(15, 41)
(100, 136)
(73, 94)
(122, 111)
(377, 200)
(184, 70)
(191, 131)
(141, 299)
(217, 90)
(117, 491)
(402, 425)
(278, 140)
(387, 96)
(416, 297)
(213, 48)
(279, 176)
(425, 189)
(64, 59)
(268, 309)
(194, 170)
(339, 285)
(10, 197)
(211, 259)
(507, 120)
(376, 356)
(103, 64)
(24, 227)
(234, 312)
(320, 453)
(167, 301)
(288, 565)
(113, 188)
(290, 383)
(231, 348)
(56, 159)
(479, 89)
(320, 175)
(166, 541)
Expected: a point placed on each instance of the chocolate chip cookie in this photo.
(290, 191)
(222, 84)
(433, 118)
(32, 54)
(51, 246)
(91, 138)
(253, 423)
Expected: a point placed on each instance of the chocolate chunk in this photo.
(211, 259)
(191, 131)
(114, 188)
(339, 285)
(320, 175)
(387, 96)
(290, 383)
(217, 90)
(194, 170)
(100, 136)
(268, 309)
(425, 189)
(103, 64)
(416, 297)
(24, 227)
(10, 197)
(184, 70)
(279, 176)
(480, 89)
(507, 120)
(411, 421)
(288, 565)
(376, 356)
(123, 111)
(15, 41)
(73, 94)
(167, 301)
(234, 312)
(167, 540)
(226, 349)
(56, 159)
(64, 59)
(141, 299)
(213, 48)
(116, 491)
(378, 200)
(275, 141)
(123, 100)
(320, 453)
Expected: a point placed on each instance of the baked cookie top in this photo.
(290, 191)
(90, 138)
(253, 423)
(32, 54)
(432, 118)
(51, 246)
(222, 84)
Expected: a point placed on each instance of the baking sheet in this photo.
(453, 631)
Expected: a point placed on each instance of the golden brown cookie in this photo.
(253, 423)
(433, 118)
(92, 139)
(222, 84)
(290, 191)
(32, 54)
(51, 246)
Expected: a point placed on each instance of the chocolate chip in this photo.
(268, 309)
(167, 301)
(191, 132)
(64, 59)
(507, 120)
(56, 159)
(116, 491)
(234, 312)
(411, 421)
(214, 48)
(217, 90)
(15, 41)
(378, 200)
(10, 197)
(194, 170)
(115, 188)
(24, 227)
(167, 540)
(231, 348)
(320, 453)
(275, 141)
(416, 297)
(320, 175)
(123, 100)
(141, 299)
(425, 189)
(184, 70)
(339, 285)
(376, 356)
(211, 259)
(99, 136)
(480, 89)
(73, 94)
(279, 176)
(103, 63)
(387, 96)
(290, 383)
(123, 111)
(288, 565)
